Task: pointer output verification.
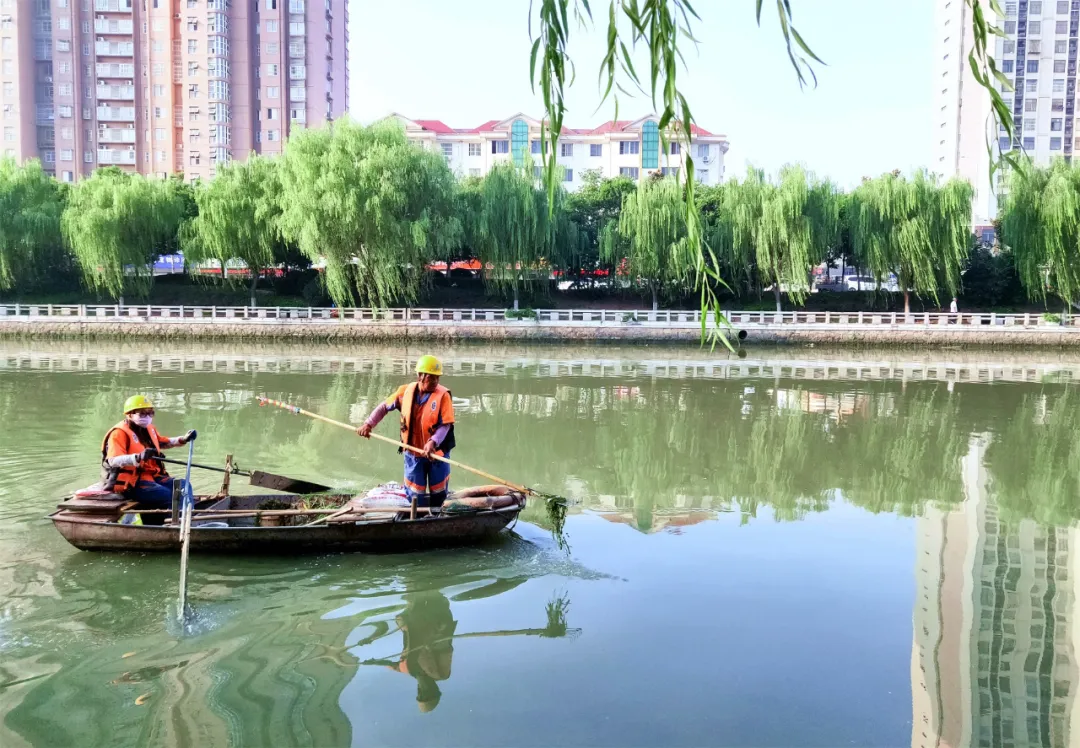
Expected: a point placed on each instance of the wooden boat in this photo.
(247, 524)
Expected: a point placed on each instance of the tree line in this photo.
(375, 210)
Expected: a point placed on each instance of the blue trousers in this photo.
(154, 494)
(427, 480)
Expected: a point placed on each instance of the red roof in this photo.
(434, 125)
(611, 126)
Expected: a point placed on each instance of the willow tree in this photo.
(916, 228)
(1040, 225)
(514, 233)
(659, 30)
(117, 224)
(374, 207)
(31, 204)
(780, 228)
(238, 217)
(651, 236)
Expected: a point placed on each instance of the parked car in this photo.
(866, 283)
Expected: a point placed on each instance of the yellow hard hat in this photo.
(137, 402)
(429, 365)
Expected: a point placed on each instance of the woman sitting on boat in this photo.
(427, 423)
(128, 452)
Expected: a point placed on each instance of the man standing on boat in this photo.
(427, 423)
(128, 452)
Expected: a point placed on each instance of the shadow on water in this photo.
(275, 644)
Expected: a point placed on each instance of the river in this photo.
(798, 548)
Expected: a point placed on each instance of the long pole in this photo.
(396, 443)
(185, 535)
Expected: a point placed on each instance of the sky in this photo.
(467, 61)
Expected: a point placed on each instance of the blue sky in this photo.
(466, 61)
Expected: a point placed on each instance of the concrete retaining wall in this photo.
(330, 331)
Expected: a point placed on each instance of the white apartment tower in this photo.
(1038, 55)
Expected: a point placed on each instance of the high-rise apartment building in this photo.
(1038, 55)
(166, 86)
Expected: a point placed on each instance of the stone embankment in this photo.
(547, 326)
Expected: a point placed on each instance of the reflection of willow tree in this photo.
(899, 459)
(1035, 463)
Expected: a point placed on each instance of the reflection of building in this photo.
(838, 406)
(994, 660)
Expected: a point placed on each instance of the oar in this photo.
(402, 445)
(185, 535)
(261, 479)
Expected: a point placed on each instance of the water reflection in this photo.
(995, 627)
(743, 499)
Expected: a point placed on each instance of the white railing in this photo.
(108, 26)
(670, 318)
(123, 93)
(116, 114)
(115, 49)
(116, 135)
(115, 70)
(115, 157)
(115, 6)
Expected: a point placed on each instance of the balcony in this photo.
(107, 26)
(116, 114)
(115, 70)
(116, 157)
(296, 6)
(297, 29)
(119, 93)
(297, 72)
(116, 135)
(113, 6)
(114, 49)
(298, 94)
(45, 113)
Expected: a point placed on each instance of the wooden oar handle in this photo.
(395, 442)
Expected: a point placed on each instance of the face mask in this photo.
(141, 420)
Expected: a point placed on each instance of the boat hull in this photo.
(94, 535)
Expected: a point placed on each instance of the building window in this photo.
(194, 159)
(650, 142)
(1059, 66)
(1032, 86)
(1059, 85)
(534, 147)
(65, 112)
(272, 49)
(66, 154)
(66, 133)
(1056, 124)
(1029, 144)
(50, 157)
(192, 68)
(273, 92)
(1061, 27)
(519, 136)
(159, 133)
(272, 136)
(670, 171)
(271, 4)
(568, 176)
(1010, 47)
(1029, 124)
(64, 89)
(703, 150)
(272, 69)
(1055, 144)
(1004, 143)
(1010, 27)
(193, 91)
(1034, 47)
(628, 171)
(1030, 104)
(9, 133)
(566, 150)
(271, 114)
(1057, 105)
(447, 150)
(474, 172)
(500, 146)
(271, 27)
(674, 149)
(596, 149)
(159, 89)
(158, 112)
(1010, 9)
(1035, 8)
(1033, 66)
(628, 147)
(1062, 7)
(88, 157)
(474, 149)
(1034, 27)
(63, 45)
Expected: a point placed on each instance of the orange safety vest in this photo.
(429, 418)
(126, 477)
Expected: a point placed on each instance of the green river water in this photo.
(800, 548)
